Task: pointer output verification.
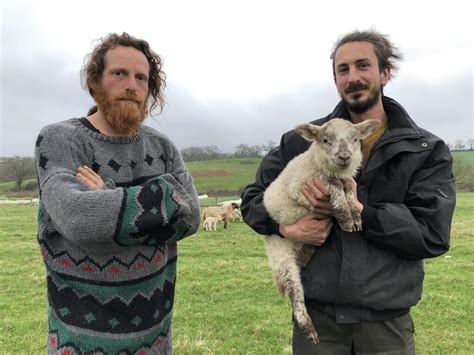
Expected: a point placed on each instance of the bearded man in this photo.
(359, 287)
(110, 249)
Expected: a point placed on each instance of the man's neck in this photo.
(376, 112)
(99, 122)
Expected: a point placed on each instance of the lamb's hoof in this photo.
(357, 227)
(310, 333)
(347, 227)
(313, 338)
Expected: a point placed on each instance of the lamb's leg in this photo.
(352, 205)
(282, 261)
(342, 212)
(303, 254)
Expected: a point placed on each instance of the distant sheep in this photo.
(226, 211)
(210, 223)
(237, 214)
(333, 157)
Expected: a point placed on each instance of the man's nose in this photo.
(353, 75)
(131, 84)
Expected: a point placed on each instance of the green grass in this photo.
(225, 300)
(466, 155)
(5, 186)
(209, 175)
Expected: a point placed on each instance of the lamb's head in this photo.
(337, 143)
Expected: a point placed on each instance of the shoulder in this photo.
(159, 139)
(58, 132)
(434, 143)
(67, 126)
(153, 134)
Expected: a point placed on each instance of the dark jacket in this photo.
(407, 189)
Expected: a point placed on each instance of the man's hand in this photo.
(308, 230)
(90, 178)
(318, 195)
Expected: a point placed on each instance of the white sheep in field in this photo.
(333, 157)
(210, 223)
(226, 211)
(237, 214)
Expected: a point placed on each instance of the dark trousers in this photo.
(391, 337)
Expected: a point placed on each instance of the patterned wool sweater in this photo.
(110, 255)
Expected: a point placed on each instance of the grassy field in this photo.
(222, 175)
(467, 155)
(225, 301)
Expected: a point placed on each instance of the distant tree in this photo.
(18, 169)
(208, 152)
(470, 143)
(459, 144)
(248, 151)
(450, 146)
(269, 146)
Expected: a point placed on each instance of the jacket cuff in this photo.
(273, 228)
(369, 217)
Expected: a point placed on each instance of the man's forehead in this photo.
(352, 52)
(125, 56)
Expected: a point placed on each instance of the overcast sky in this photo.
(238, 71)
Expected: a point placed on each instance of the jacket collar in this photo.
(400, 123)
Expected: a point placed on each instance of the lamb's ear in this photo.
(367, 127)
(308, 131)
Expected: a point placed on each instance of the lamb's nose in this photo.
(344, 157)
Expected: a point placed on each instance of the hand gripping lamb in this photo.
(333, 157)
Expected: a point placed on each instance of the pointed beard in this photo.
(359, 107)
(125, 117)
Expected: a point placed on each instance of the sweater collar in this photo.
(96, 134)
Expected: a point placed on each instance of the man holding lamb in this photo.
(359, 286)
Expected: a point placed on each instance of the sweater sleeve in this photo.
(160, 210)
(420, 227)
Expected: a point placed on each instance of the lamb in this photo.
(210, 223)
(237, 214)
(226, 211)
(333, 157)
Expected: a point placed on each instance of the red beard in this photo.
(124, 113)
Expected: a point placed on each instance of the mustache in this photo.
(355, 87)
(129, 96)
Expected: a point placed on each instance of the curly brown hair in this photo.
(94, 65)
(387, 54)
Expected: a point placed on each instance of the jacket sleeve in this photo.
(420, 227)
(162, 209)
(253, 210)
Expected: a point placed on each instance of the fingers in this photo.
(88, 173)
(309, 230)
(90, 178)
(318, 188)
(318, 198)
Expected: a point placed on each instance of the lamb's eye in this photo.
(326, 141)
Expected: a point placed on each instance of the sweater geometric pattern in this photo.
(111, 255)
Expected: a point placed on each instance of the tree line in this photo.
(212, 152)
(459, 144)
(19, 169)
